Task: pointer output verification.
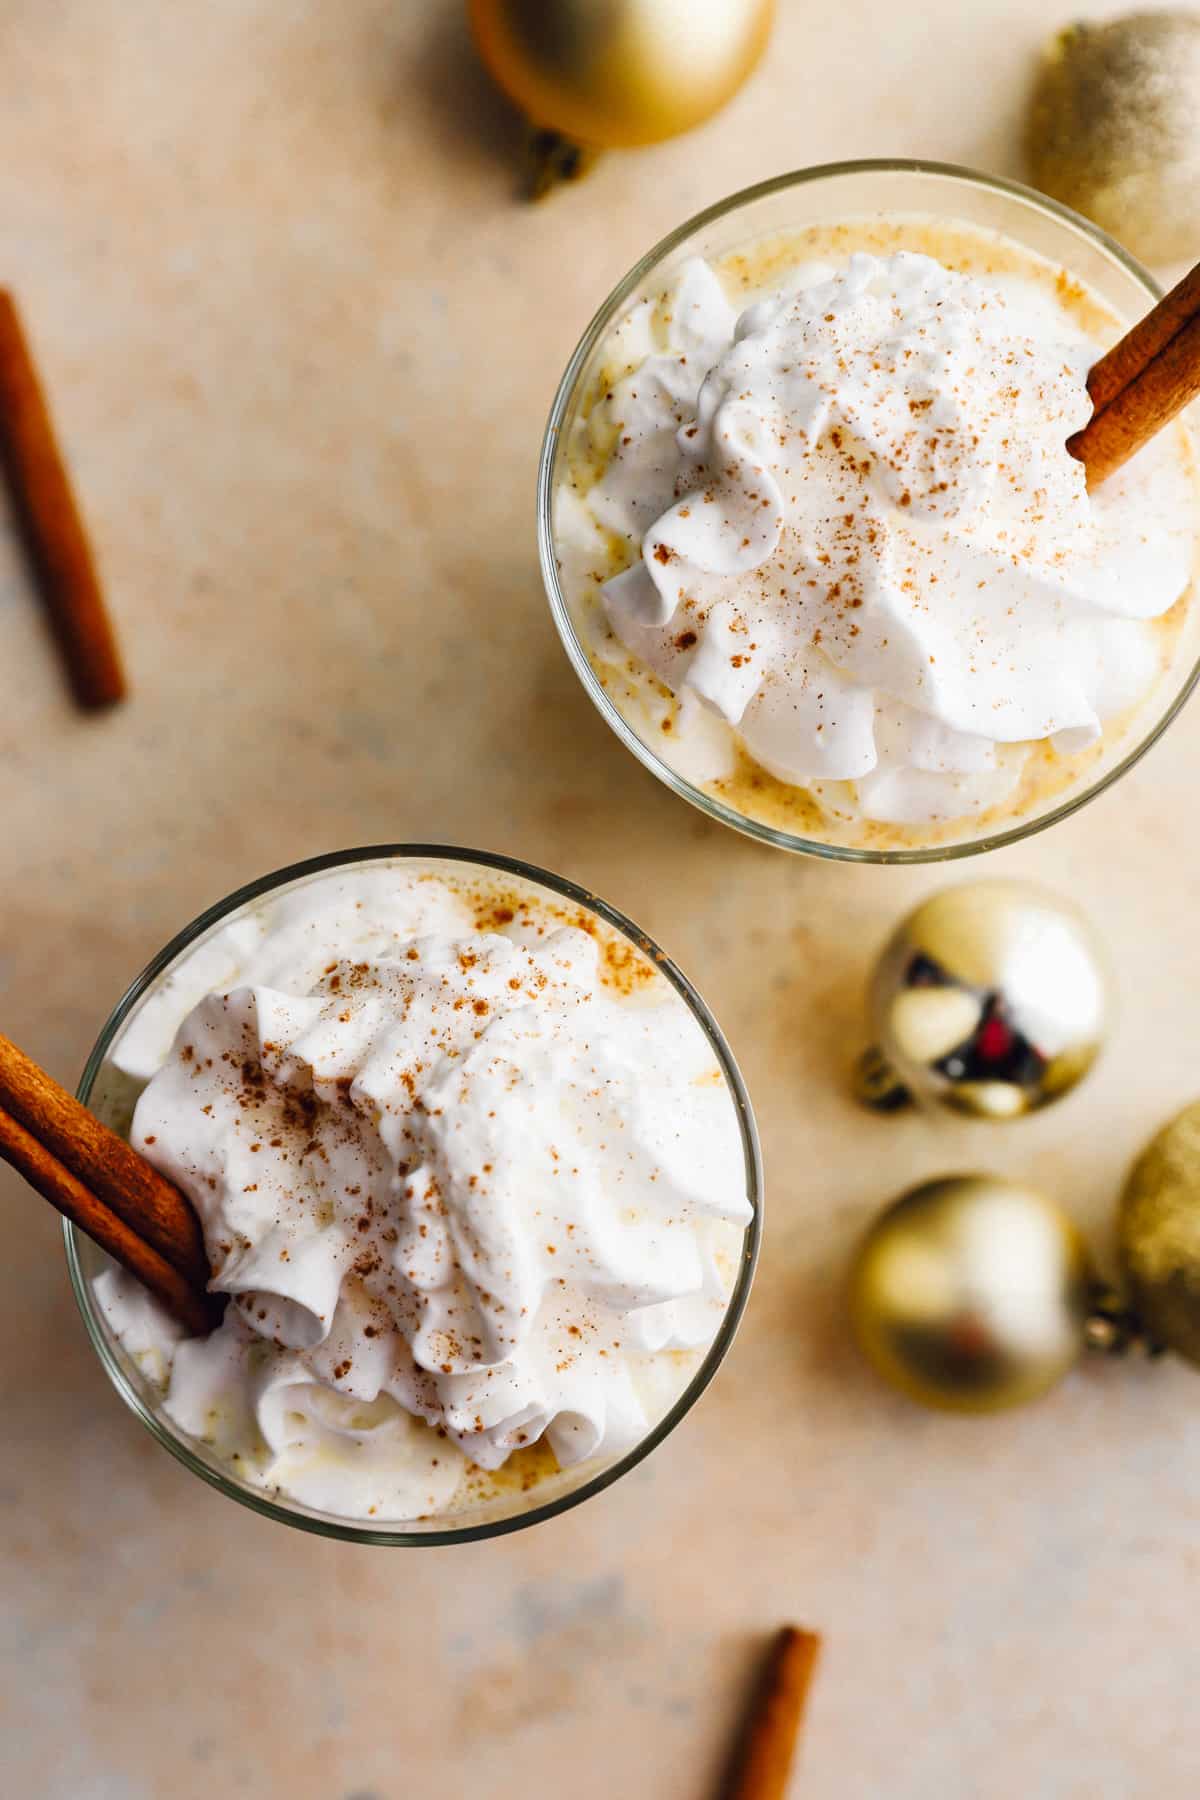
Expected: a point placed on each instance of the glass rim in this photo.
(602, 321)
(348, 1531)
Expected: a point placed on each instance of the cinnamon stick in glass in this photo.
(1140, 385)
(121, 1180)
(194, 1309)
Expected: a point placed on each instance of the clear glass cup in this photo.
(833, 194)
(509, 1512)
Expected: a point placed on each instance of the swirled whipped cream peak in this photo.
(855, 543)
(465, 1196)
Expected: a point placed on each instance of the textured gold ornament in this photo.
(971, 1294)
(1114, 129)
(991, 998)
(608, 74)
(1158, 1234)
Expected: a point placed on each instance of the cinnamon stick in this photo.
(123, 1181)
(193, 1308)
(764, 1760)
(1139, 386)
(1148, 338)
(51, 523)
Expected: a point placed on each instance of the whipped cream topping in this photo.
(857, 542)
(463, 1194)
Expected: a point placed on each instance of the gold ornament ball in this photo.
(1158, 1233)
(615, 73)
(991, 998)
(1114, 129)
(970, 1294)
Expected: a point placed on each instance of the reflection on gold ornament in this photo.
(991, 998)
(606, 74)
(971, 1294)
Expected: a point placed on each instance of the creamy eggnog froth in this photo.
(467, 1168)
(822, 538)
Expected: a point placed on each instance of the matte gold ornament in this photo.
(1158, 1234)
(605, 74)
(991, 998)
(971, 1294)
(1114, 129)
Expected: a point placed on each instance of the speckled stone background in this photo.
(301, 342)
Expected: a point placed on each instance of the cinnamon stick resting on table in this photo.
(764, 1759)
(51, 523)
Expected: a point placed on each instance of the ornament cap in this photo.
(1112, 1328)
(552, 159)
(877, 1084)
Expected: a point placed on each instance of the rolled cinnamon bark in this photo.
(764, 1759)
(195, 1310)
(150, 1206)
(1140, 385)
(51, 523)
(1169, 382)
(1146, 340)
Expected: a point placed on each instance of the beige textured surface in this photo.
(301, 344)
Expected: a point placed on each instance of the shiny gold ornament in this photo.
(971, 1294)
(990, 998)
(607, 74)
(1114, 129)
(1158, 1233)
